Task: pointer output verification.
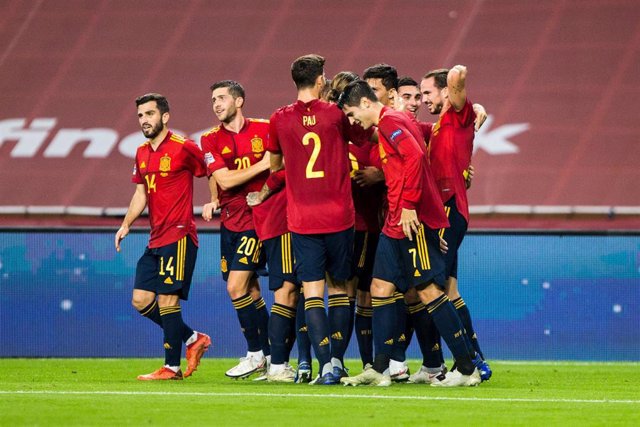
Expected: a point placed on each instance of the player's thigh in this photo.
(339, 247)
(310, 254)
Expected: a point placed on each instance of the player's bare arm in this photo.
(136, 206)
(256, 197)
(214, 204)
(277, 162)
(228, 179)
(456, 80)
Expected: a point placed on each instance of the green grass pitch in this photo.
(105, 392)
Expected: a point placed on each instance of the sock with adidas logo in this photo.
(248, 317)
(281, 322)
(465, 318)
(339, 312)
(302, 335)
(262, 316)
(364, 333)
(384, 325)
(318, 330)
(172, 326)
(427, 335)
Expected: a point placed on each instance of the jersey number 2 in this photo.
(306, 139)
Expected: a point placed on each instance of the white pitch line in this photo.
(315, 396)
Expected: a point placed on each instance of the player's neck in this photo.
(155, 142)
(308, 94)
(236, 124)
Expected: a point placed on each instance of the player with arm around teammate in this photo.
(408, 254)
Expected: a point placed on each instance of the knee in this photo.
(139, 302)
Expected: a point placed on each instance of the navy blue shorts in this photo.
(280, 261)
(317, 254)
(409, 264)
(454, 235)
(167, 269)
(240, 251)
(364, 254)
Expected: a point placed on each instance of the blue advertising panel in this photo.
(531, 296)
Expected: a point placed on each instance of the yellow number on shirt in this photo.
(151, 182)
(242, 163)
(314, 154)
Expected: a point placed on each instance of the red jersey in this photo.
(270, 216)
(450, 150)
(410, 184)
(226, 149)
(368, 201)
(167, 174)
(312, 138)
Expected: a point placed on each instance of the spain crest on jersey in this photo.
(436, 128)
(165, 165)
(257, 146)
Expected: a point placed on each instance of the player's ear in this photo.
(165, 118)
(239, 102)
(365, 102)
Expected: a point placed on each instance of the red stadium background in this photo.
(559, 79)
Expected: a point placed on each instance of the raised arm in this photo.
(456, 86)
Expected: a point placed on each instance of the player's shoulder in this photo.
(258, 121)
(214, 130)
(178, 139)
(258, 124)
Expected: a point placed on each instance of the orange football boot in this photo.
(163, 373)
(194, 353)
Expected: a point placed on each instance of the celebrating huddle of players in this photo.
(343, 190)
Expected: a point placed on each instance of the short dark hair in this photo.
(406, 81)
(439, 77)
(235, 89)
(339, 82)
(306, 69)
(354, 92)
(161, 101)
(386, 72)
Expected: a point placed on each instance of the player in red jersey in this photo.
(238, 164)
(450, 149)
(163, 173)
(310, 136)
(408, 254)
(269, 205)
(367, 189)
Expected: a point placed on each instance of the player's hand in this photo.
(265, 162)
(481, 116)
(409, 222)
(444, 246)
(368, 176)
(469, 176)
(209, 208)
(253, 198)
(399, 104)
(121, 234)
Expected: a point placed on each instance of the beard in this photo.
(154, 131)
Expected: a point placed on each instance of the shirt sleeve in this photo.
(276, 181)
(194, 159)
(466, 116)
(412, 157)
(273, 143)
(212, 158)
(136, 178)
